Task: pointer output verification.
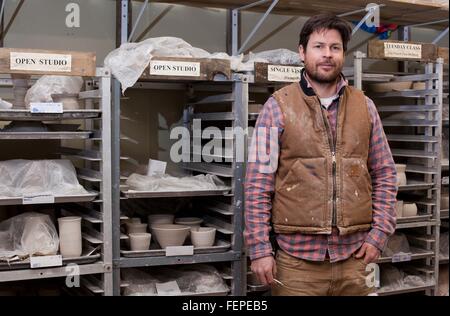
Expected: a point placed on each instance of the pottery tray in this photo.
(26, 115)
(58, 199)
(25, 264)
(418, 218)
(151, 194)
(220, 246)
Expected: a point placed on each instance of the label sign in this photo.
(179, 251)
(40, 62)
(174, 68)
(45, 261)
(402, 50)
(283, 73)
(46, 107)
(38, 199)
(401, 257)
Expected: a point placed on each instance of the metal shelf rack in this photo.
(416, 142)
(94, 207)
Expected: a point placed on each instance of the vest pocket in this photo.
(301, 196)
(356, 192)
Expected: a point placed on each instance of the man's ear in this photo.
(301, 51)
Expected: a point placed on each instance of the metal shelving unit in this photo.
(225, 214)
(416, 142)
(222, 209)
(94, 207)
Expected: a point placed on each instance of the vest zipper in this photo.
(333, 157)
(332, 145)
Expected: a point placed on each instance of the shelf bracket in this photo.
(236, 50)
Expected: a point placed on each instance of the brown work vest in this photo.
(315, 189)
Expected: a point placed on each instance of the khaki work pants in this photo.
(309, 278)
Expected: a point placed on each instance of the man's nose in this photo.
(326, 52)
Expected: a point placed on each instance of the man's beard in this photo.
(314, 74)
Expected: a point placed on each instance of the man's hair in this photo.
(323, 22)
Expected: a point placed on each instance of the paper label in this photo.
(38, 199)
(401, 257)
(40, 62)
(156, 167)
(45, 261)
(168, 288)
(283, 73)
(174, 68)
(402, 50)
(445, 180)
(47, 107)
(179, 251)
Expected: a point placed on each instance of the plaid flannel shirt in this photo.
(259, 189)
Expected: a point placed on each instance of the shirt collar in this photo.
(309, 91)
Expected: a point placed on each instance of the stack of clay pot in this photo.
(139, 238)
(401, 174)
(406, 209)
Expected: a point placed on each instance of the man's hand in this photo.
(265, 269)
(369, 252)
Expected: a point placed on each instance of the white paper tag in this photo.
(283, 73)
(168, 288)
(445, 180)
(38, 199)
(45, 261)
(179, 251)
(174, 68)
(40, 62)
(156, 167)
(401, 257)
(46, 107)
(402, 50)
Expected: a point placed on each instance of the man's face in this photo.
(324, 56)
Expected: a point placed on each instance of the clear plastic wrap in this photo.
(391, 278)
(26, 235)
(277, 56)
(163, 183)
(20, 178)
(45, 86)
(198, 279)
(397, 244)
(128, 62)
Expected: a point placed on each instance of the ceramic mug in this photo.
(70, 243)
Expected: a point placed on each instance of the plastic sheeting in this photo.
(45, 86)
(20, 178)
(397, 244)
(28, 234)
(128, 62)
(276, 56)
(198, 279)
(394, 279)
(167, 183)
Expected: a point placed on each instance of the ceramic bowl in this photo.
(390, 86)
(409, 209)
(169, 235)
(203, 236)
(192, 222)
(135, 220)
(134, 228)
(140, 241)
(160, 219)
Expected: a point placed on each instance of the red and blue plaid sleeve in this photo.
(384, 178)
(260, 179)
